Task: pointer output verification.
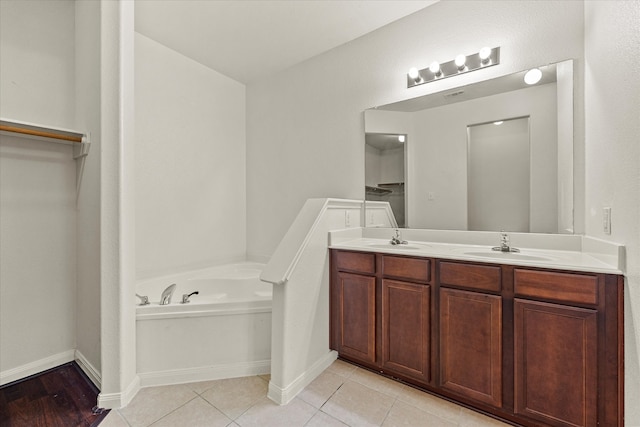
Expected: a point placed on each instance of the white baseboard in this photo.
(119, 400)
(284, 395)
(205, 373)
(88, 369)
(37, 366)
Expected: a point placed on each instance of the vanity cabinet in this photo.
(353, 303)
(556, 363)
(405, 312)
(471, 331)
(381, 317)
(533, 346)
(556, 347)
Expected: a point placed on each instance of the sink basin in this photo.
(507, 255)
(397, 247)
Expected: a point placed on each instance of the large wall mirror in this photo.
(494, 155)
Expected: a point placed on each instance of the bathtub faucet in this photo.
(185, 297)
(165, 299)
(144, 300)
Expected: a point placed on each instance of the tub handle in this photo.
(144, 300)
(185, 297)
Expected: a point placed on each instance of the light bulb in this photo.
(435, 68)
(533, 76)
(460, 61)
(414, 74)
(400, 138)
(485, 54)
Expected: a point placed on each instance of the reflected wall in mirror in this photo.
(437, 189)
(385, 171)
(498, 176)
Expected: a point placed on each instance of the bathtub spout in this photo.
(165, 299)
(185, 297)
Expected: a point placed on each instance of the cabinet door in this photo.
(555, 363)
(355, 316)
(406, 329)
(471, 345)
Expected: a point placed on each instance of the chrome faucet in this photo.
(397, 239)
(504, 244)
(144, 300)
(165, 299)
(185, 297)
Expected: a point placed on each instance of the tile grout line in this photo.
(389, 411)
(171, 412)
(233, 420)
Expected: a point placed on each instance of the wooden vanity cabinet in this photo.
(381, 317)
(405, 311)
(556, 347)
(353, 307)
(535, 347)
(556, 363)
(470, 339)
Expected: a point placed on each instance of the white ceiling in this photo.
(246, 39)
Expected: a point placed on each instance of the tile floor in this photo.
(343, 395)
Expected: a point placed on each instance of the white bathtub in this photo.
(223, 332)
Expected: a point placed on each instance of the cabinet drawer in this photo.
(417, 269)
(482, 277)
(356, 261)
(563, 287)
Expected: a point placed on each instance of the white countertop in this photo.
(597, 260)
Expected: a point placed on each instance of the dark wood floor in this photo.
(59, 397)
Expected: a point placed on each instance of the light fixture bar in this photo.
(448, 69)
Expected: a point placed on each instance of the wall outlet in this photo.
(606, 220)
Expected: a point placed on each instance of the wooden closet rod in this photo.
(43, 134)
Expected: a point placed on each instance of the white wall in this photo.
(384, 166)
(392, 166)
(88, 204)
(305, 135)
(37, 67)
(373, 165)
(612, 112)
(37, 187)
(190, 163)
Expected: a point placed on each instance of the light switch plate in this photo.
(606, 220)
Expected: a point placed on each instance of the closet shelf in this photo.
(79, 140)
(377, 190)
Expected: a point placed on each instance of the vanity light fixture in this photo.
(486, 57)
(414, 75)
(533, 76)
(435, 69)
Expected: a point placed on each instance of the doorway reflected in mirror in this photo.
(385, 176)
